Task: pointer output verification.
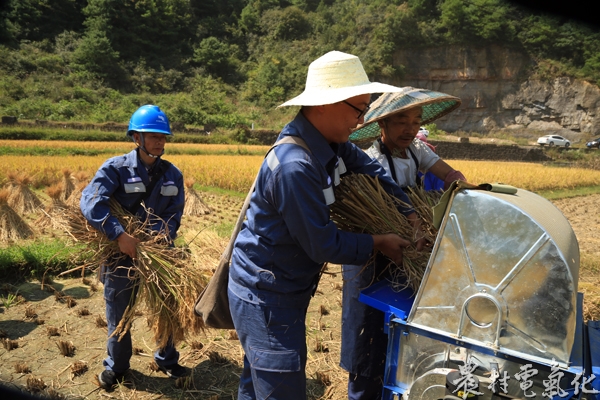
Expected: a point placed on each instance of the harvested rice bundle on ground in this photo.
(194, 205)
(68, 184)
(12, 226)
(53, 215)
(362, 205)
(206, 248)
(21, 198)
(167, 283)
(80, 180)
(73, 200)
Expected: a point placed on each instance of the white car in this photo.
(424, 131)
(553, 140)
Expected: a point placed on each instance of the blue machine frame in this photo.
(585, 356)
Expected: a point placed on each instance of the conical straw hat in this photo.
(434, 105)
(334, 77)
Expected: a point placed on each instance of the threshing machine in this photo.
(498, 314)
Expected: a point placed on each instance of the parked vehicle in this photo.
(424, 131)
(553, 140)
(594, 143)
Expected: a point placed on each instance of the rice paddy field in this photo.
(52, 327)
(233, 167)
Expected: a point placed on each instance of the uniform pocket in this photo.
(169, 190)
(137, 187)
(274, 360)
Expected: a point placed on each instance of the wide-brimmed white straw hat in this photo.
(434, 105)
(334, 77)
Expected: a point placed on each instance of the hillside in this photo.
(229, 63)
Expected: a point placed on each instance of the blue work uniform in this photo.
(279, 253)
(125, 178)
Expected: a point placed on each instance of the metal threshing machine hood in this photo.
(497, 315)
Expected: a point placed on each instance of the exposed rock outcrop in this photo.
(497, 93)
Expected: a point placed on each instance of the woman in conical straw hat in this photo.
(288, 233)
(392, 122)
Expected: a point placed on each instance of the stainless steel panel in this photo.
(503, 274)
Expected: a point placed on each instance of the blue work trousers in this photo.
(118, 291)
(274, 343)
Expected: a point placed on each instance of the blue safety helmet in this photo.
(149, 118)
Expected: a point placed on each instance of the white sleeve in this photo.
(424, 154)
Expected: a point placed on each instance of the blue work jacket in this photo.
(288, 233)
(125, 178)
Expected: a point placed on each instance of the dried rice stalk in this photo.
(21, 198)
(53, 215)
(167, 285)
(68, 185)
(73, 200)
(363, 206)
(12, 226)
(194, 205)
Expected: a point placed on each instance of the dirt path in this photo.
(215, 357)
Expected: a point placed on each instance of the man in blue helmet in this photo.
(140, 176)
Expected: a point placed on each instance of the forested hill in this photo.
(227, 62)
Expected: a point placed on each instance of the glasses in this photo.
(360, 112)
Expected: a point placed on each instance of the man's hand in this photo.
(128, 244)
(391, 245)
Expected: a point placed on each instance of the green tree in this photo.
(37, 20)
(217, 58)
(96, 55)
(485, 21)
(158, 31)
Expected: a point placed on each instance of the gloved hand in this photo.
(452, 176)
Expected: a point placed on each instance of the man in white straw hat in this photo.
(393, 121)
(288, 234)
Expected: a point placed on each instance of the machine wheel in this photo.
(551, 144)
(567, 145)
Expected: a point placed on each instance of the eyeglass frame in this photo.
(360, 112)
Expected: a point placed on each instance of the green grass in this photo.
(567, 193)
(33, 259)
(219, 191)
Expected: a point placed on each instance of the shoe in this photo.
(108, 379)
(174, 371)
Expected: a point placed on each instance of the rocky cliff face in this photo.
(497, 93)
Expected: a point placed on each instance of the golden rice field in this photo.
(125, 147)
(237, 171)
(528, 176)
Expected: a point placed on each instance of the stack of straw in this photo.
(194, 205)
(363, 206)
(22, 199)
(165, 281)
(12, 226)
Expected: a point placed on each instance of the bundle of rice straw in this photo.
(68, 184)
(80, 180)
(12, 226)
(363, 206)
(194, 205)
(53, 215)
(21, 198)
(167, 285)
